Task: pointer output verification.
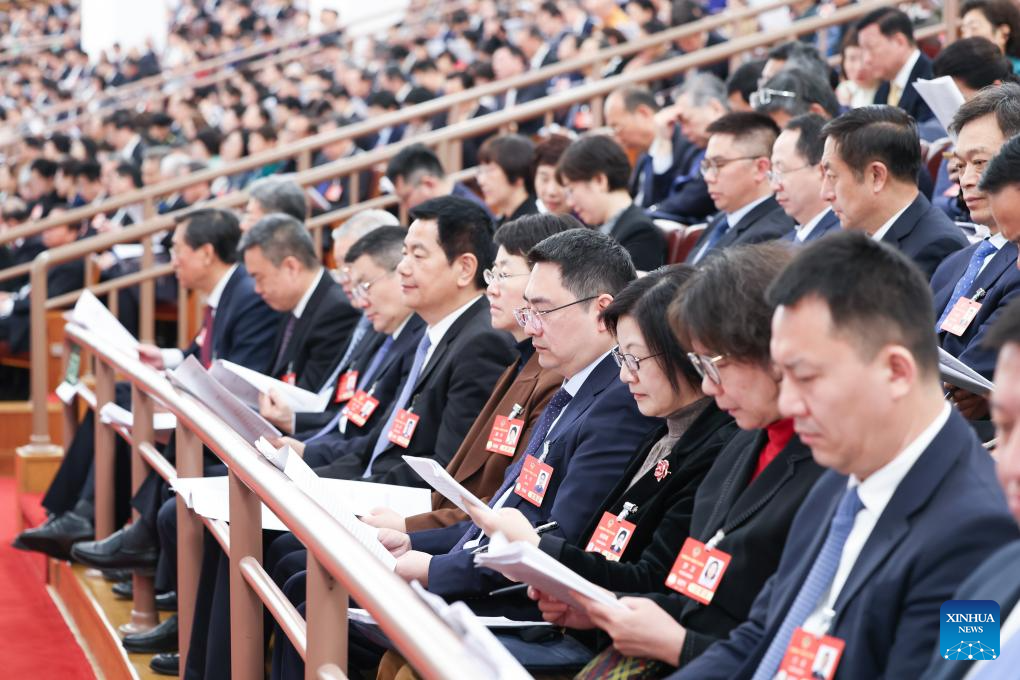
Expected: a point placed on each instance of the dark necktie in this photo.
(288, 331)
(718, 232)
(205, 350)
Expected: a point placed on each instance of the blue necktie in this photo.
(383, 442)
(552, 411)
(718, 232)
(818, 581)
(966, 282)
(1003, 668)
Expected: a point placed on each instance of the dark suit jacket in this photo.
(478, 470)
(587, 458)
(324, 327)
(1000, 279)
(62, 278)
(528, 207)
(641, 238)
(888, 608)
(828, 223)
(925, 234)
(996, 579)
(450, 391)
(765, 222)
(910, 100)
(679, 194)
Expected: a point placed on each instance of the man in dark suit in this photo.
(871, 160)
(736, 168)
(997, 579)
(796, 177)
(237, 326)
(509, 61)
(595, 171)
(886, 36)
(866, 561)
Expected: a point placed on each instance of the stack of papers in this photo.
(523, 562)
(112, 414)
(247, 384)
(942, 96)
(209, 497)
(93, 315)
(955, 372)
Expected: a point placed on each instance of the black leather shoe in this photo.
(162, 638)
(117, 575)
(166, 664)
(124, 590)
(57, 535)
(165, 602)
(114, 552)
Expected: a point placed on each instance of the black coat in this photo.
(767, 221)
(910, 100)
(636, 232)
(924, 233)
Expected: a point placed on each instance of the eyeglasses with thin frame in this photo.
(491, 276)
(763, 96)
(343, 275)
(360, 291)
(527, 315)
(632, 362)
(776, 176)
(706, 366)
(712, 166)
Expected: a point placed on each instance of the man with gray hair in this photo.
(274, 195)
(794, 92)
(279, 254)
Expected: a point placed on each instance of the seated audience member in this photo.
(742, 83)
(994, 20)
(796, 177)
(736, 169)
(595, 171)
(551, 196)
(983, 274)
(972, 63)
(870, 164)
(765, 471)
(509, 61)
(237, 326)
(865, 562)
(886, 36)
(687, 11)
(280, 256)
(274, 195)
(997, 578)
(859, 83)
(1000, 182)
(794, 54)
(795, 92)
(417, 175)
(504, 176)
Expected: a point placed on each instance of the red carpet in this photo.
(35, 642)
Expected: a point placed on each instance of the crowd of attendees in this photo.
(716, 328)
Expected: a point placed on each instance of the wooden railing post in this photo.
(188, 452)
(105, 452)
(143, 609)
(39, 442)
(326, 616)
(951, 18)
(147, 289)
(246, 642)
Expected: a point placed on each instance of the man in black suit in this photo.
(871, 161)
(886, 36)
(417, 175)
(796, 177)
(866, 564)
(237, 326)
(509, 61)
(280, 256)
(736, 168)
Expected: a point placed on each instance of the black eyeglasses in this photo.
(632, 362)
(527, 315)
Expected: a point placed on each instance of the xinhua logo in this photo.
(969, 630)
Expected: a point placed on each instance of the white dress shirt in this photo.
(804, 231)
(437, 331)
(884, 229)
(299, 309)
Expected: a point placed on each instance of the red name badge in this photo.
(611, 537)
(346, 387)
(533, 481)
(698, 571)
(361, 407)
(810, 656)
(289, 378)
(403, 428)
(959, 318)
(505, 434)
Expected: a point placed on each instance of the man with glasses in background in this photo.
(736, 167)
(796, 177)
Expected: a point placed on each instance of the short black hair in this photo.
(219, 228)
(976, 61)
(889, 21)
(383, 99)
(382, 244)
(1002, 101)
(550, 150)
(810, 143)
(131, 171)
(44, 167)
(519, 236)
(1004, 168)
(591, 263)
(414, 159)
(885, 134)
(998, 13)
(875, 294)
(733, 279)
(747, 127)
(633, 96)
(514, 154)
(643, 300)
(462, 226)
(595, 155)
(89, 169)
(1005, 329)
(280, 236)
(745, 79)
(211, 139)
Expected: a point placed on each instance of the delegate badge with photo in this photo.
(533, 481)
(346, 387)
(698, 571)
(505, 434)
(403, 428)
(959, 318)
(289, 378)
(361, 407)
(810, 656)
(611, 537)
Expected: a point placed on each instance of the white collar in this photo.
(804, 231)
(998, 240)
(877, 490)
(733, 218)
(884, 229)
(217, 292)
(903, 76)
(437, 331)
(574, 382)
(299, 309)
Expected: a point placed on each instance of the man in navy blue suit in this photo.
(886, 36)
(998, 579)
(909, 505)
(871, 161)
(982, 278)
(796, 177)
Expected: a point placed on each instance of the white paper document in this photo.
(955, 372)
(66, 392)
(525, 563)
(440, 480)
(494, 622)
(942, 96)
(247, 384)
(209, 497)
(93, 315)
(114, 414)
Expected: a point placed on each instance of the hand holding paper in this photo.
(440, 480)
(510, 522)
